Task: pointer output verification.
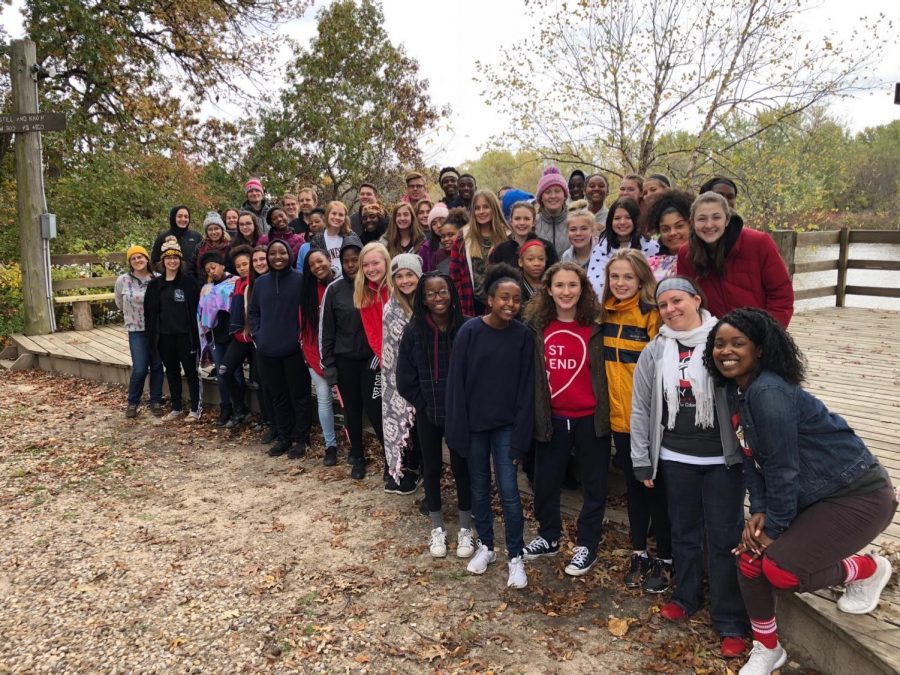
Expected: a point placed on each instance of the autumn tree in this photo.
(353, 107)
(601, 81)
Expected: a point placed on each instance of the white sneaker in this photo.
(483, 557)
(517, 578)
(438, 545)
(193, 416)
(465, 543)
(861, 597)
(173, 415)
(763, 661)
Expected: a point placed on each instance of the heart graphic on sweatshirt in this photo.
(565, 354)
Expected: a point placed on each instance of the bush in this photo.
(12, 309)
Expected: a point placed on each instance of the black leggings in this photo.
(235, 355)
(360, 390)
(645, 503)
(176, 354)
(290, 387)
(430, 439)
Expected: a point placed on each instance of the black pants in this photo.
(176, 354)
(550, 462)
(235, 356)
(290, 387)
(430, 440)
(645, 503)
(360, 390)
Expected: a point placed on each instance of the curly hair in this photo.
(780, 353)
(541, 309)
(497, 274)
(668, 201)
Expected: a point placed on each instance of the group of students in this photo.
(534, 330)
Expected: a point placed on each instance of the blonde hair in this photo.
(363, 296)
(345, 228)
(499, 226)
(311, 191)
(392, 237)
(646, 280)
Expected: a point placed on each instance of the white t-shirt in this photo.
(333, 246)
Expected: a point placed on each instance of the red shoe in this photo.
(673, 612)
(733, 646)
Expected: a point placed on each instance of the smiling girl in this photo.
(596, 190)
(521, 230)
(580, 225)
(248, 233)
(669, 215)
(571, 412)
(817, 495)
(403, 234)
(621, 233)
(490, 411)
(337, 232)
(532, 262)
(552, 193)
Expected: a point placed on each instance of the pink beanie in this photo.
(253, 183)
(551, 177)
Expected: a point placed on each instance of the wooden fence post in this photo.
(843, 255)
(786, 240)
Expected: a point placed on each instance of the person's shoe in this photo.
(540, 548)
(438, 545)
(157, 409)
(270, 435)
(861, 597)
(465, 543)
(131, 412)
(391, 486)
(173, 415)
(330, 456)
(582, 561)
(297, 450)
(193, 416)
(358, 471)
(280, 448)
(237, 419)
(517, 577)
(640, 566)
(733, 646)
(672, 611)
(224, 415)
(409, 484)
(480, 561)
(764, 661)
(659, 578)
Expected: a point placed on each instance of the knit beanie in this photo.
(136, 250)
(511, 197)
(170, 247)
(211, 256)
(551, 177)
(407, 261)
(253, 183)
(447, 171)
(439, 211)
(212, 218)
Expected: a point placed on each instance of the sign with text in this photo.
(19, 123)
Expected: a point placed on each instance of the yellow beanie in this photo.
(134, 250)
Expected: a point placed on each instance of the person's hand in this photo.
(753, 538)
(648, 483)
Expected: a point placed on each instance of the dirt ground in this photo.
(133, 546)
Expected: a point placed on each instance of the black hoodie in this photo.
(275, 310)
(188, 239)
(340, 324)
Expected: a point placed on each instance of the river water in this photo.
(887, 279)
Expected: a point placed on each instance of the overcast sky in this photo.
(448, 37)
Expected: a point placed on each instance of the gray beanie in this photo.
(407, 261)
(213, 218)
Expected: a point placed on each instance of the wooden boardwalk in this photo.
(853, 365)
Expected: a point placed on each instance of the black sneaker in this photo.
(660, 577)
(280, 448)
(237, 419)
(224, 415)
(391, 486)
(158, 409)
(330, 456)
(582, 561)
(359, 468)
(409, 483)
(297, 450)
(131, 412)
(540, 548)
(270, 435)
(637, 571)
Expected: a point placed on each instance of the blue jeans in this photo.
(485, 445)
(325, 406)
(142, 362)
(218, 350)
(710, 496)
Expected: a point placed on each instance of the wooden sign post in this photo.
(27, 124)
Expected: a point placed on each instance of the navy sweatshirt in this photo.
(491, 385)
(275, 313)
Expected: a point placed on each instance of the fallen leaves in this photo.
(619, 627)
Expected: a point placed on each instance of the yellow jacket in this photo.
(629, 327)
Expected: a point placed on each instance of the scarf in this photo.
(397, 415)
(699, 377)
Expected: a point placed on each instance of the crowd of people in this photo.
(553, 332)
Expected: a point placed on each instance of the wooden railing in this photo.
(81, 304)
(789, 241)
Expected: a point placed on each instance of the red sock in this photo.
(858, 567)
(765, 632)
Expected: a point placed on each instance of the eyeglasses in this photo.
(434, 295)
(416, 186)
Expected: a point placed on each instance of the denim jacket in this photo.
(801, 453)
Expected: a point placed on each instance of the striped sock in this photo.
(858, 567)
(765, 632)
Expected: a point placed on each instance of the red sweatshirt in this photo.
(568, 365)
